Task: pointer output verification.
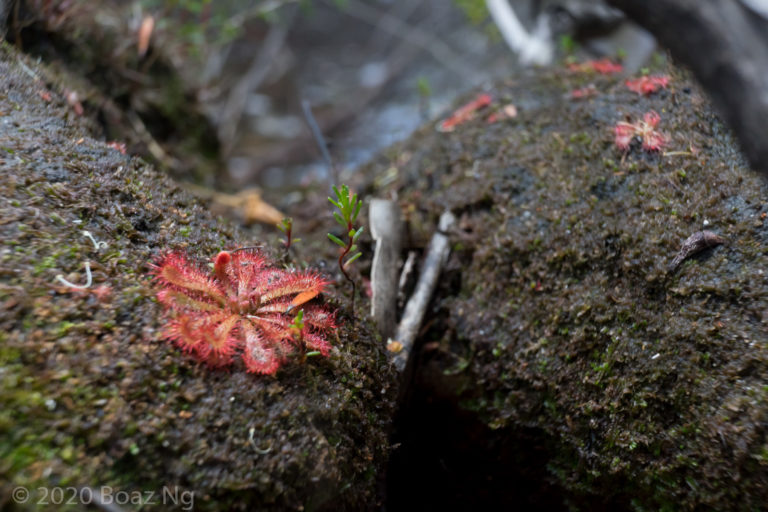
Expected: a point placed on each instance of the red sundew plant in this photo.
(247, 306)
(119, 146)
(602, 66)
(464, 113)
(584, 92)
(647, 85)
(652, 140)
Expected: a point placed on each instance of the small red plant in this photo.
(652, 140)
(119, 146)
(246, 306)
(584, 92)
(465, 113)
(647, 85)
(602, 66)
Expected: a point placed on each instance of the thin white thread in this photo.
(88, 282)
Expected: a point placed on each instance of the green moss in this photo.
(90, 392)
(640, 361)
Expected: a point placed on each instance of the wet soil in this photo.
(91, 395)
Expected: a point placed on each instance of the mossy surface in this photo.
(90, 393)
(148, 102)
(558, 330)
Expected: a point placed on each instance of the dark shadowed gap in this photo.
(445, 458)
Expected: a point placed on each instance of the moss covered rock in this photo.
(568, 365)
(91, 396)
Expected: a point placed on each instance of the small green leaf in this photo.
(357, 209)
(336, 240)
(344, 197)
(357, 234)
(312, 354)
(340, 220)
(353, 258)
(335, 203)
(298, 320)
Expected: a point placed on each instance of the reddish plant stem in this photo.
(341, 265)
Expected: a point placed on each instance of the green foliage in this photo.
(201, 26)
(425, 90)
(568, 44)
(475, 10)
(298, 322)
(286, 226)
(349, 207)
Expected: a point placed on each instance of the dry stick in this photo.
(257, 72)
(533, 48)
(296, 151)
(417, 36)
(386, 230)
(380, 38)
(437, 255)
(153, 146)
(320, 141)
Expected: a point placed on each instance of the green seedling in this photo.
(348, 206)
(286, 226)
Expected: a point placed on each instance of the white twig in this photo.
(533, 48)
(253, 443)
(385, 223)
(96, 244)
(437, 255)
(26, 69)
(758, 6)
(88, 282)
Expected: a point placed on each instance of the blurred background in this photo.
(222, 94)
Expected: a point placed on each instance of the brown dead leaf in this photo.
(251, 207)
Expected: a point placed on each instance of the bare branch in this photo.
(437, 255)
(416, 36)
(333, 175)
(258, 71)
(533, 48)
(386, 230)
